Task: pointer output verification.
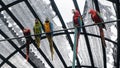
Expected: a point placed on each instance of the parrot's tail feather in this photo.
(51, 45)
(27, 51)
(52, 52)
(102, 37)
(27, 54)
(27, 57)
(52, 55)
(38, 44)
(77, 42)
(103, 41)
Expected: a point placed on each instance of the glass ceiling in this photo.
(18, 14)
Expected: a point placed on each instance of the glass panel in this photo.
(8, 1)
(46, 49)
(6, 48)
(35, 56)
(64, 48)
(81, 5)
(66, 51)
(111, 53)
(22, 62)
(42, 11)
(96, 47)
(6, 66)
(23, 14)
(10, 27)
(83, 51)
(65, 9)
(57, 21)
(47, 1)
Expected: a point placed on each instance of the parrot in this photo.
(77, 22)
(26, 32)
(37, 28)
(48, 26)
(96, 17)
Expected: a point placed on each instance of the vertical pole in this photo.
(118, 33)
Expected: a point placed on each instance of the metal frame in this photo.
(118, 33)
(5, 60)
(9, 63)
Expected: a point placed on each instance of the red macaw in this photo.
(96, 17)
(77, 21)
(26, 32)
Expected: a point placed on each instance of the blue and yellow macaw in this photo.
(48, 26)
(37, 32)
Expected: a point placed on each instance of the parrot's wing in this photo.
(51, 27)
(80, 21)
(39, 23)
(40, 28)
(27, 51)
(103, 25)
(99, 15)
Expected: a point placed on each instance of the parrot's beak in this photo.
(73, 11)
(89, 12)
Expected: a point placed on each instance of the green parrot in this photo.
(37, 30)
